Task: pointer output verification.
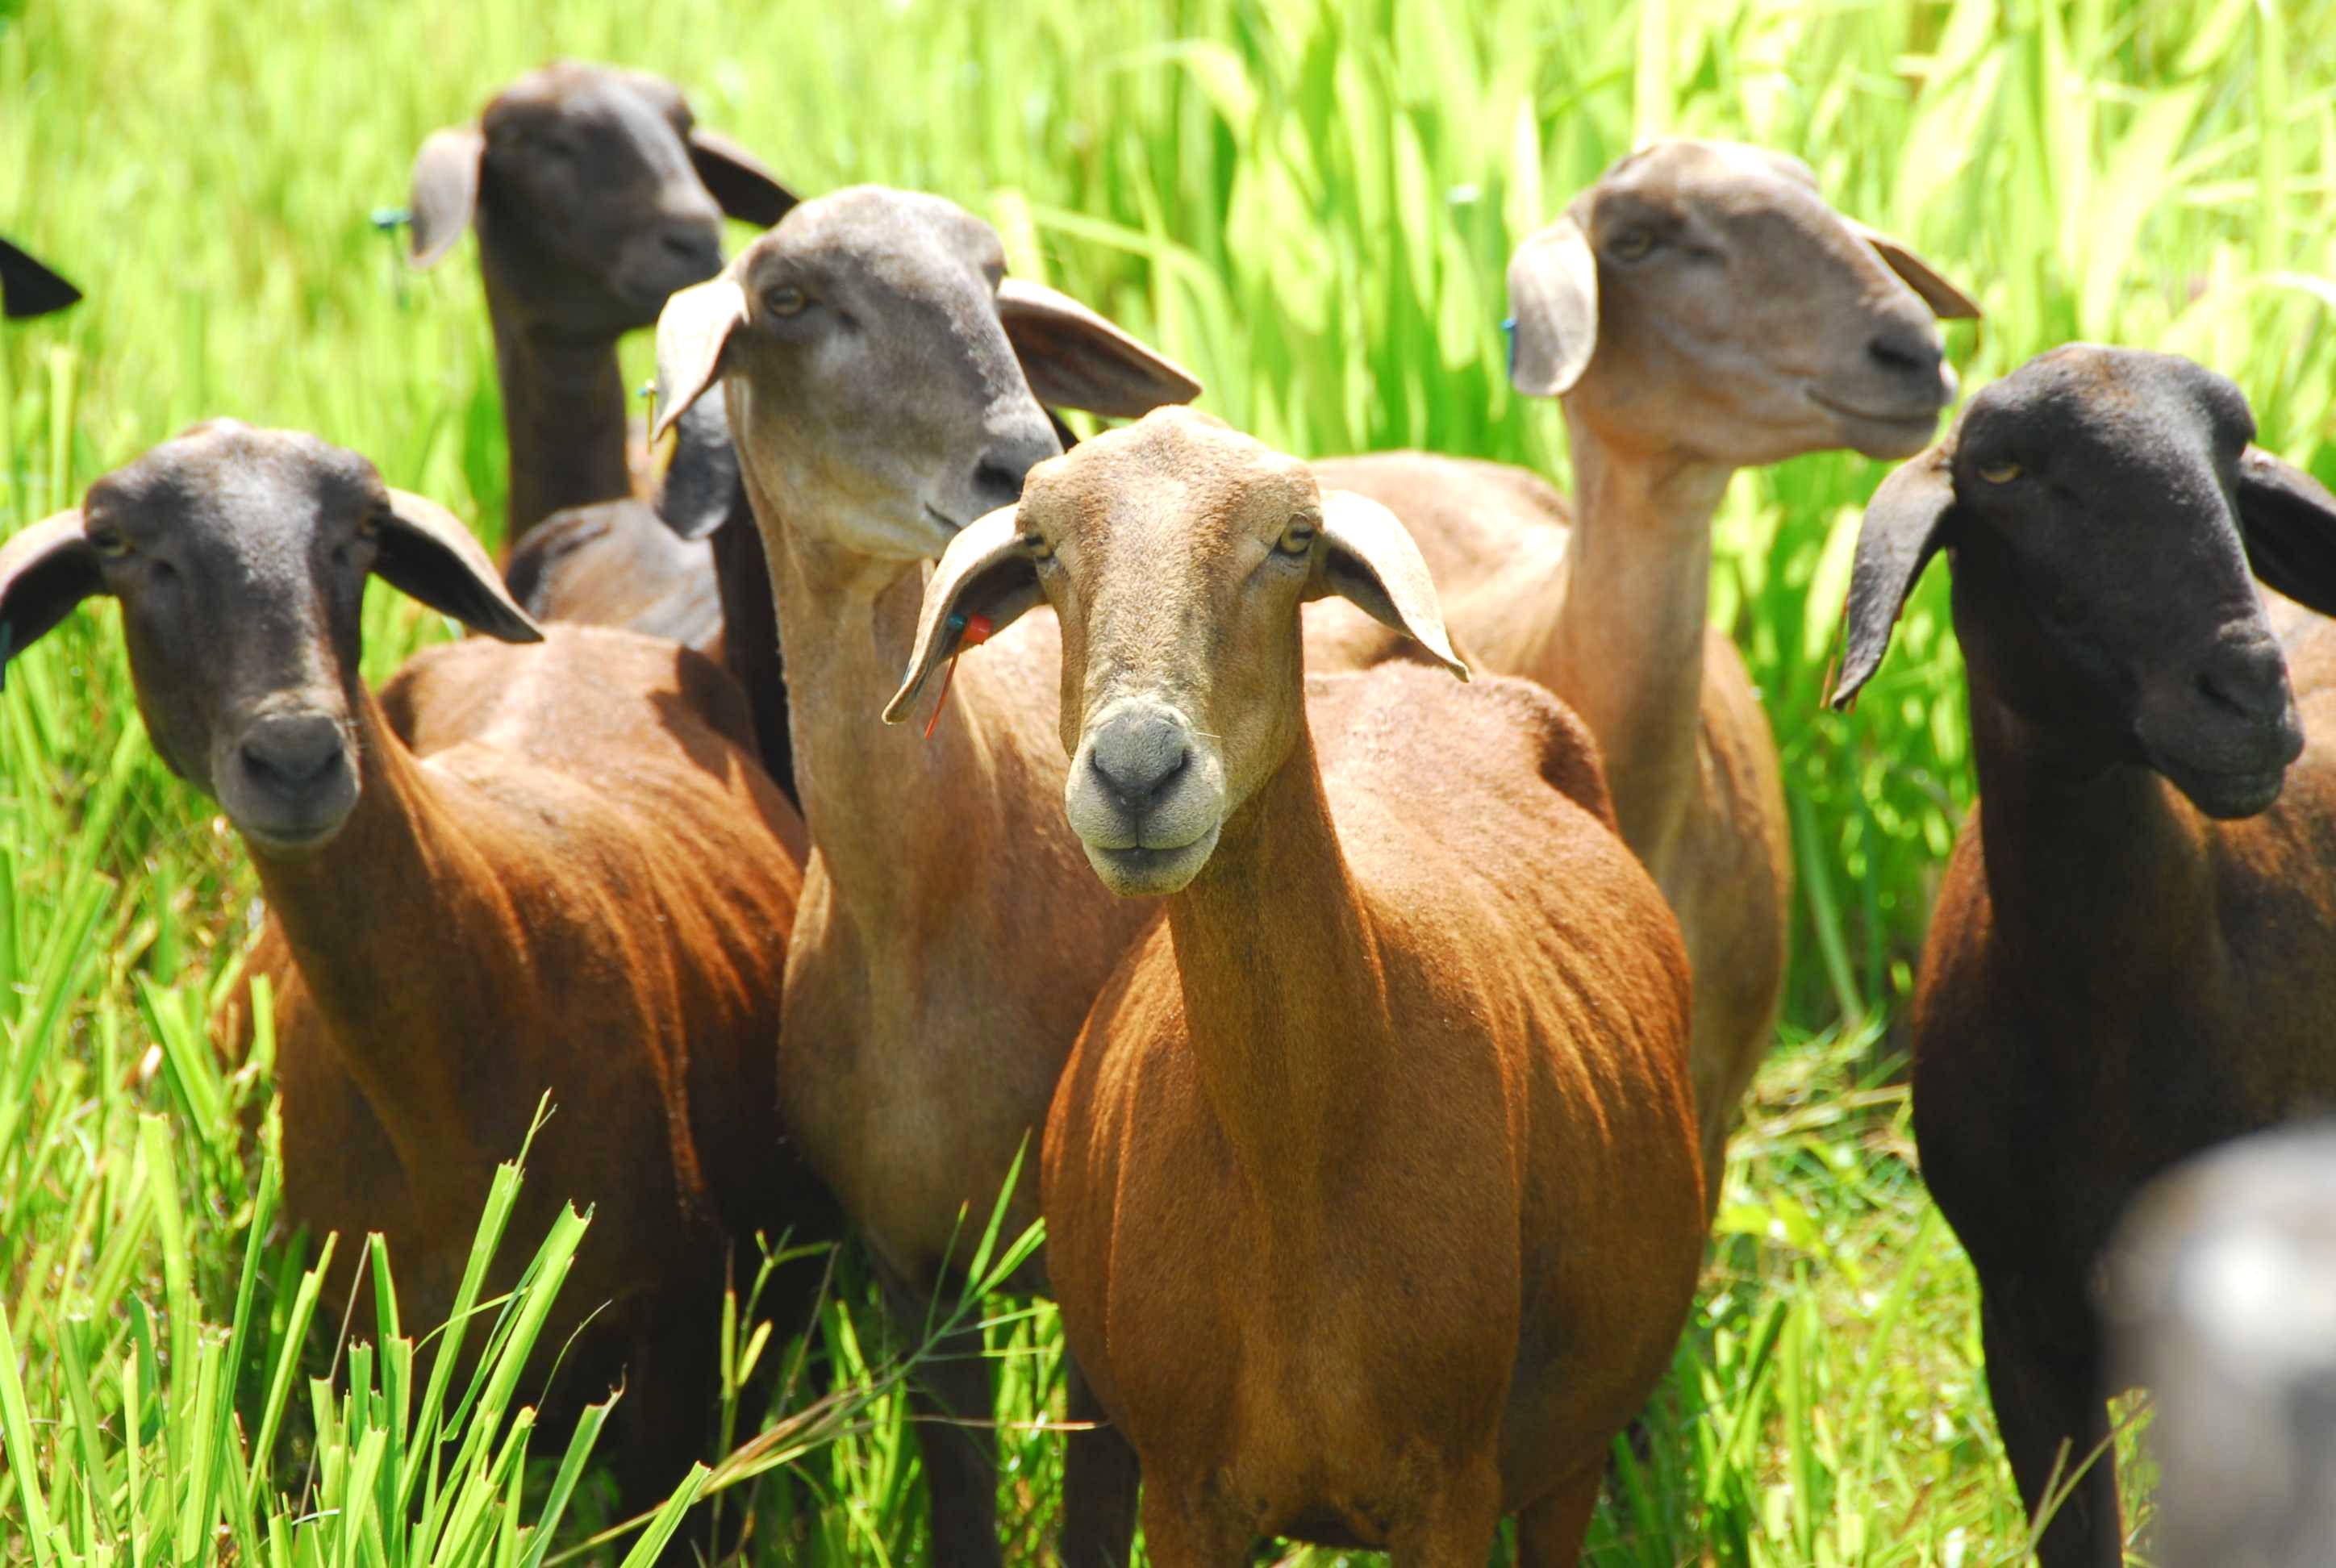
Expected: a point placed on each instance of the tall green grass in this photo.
(1312, 204)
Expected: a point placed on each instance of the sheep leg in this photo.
(952, 1405)
(1550, 1534)
(1100, 1481)
(2047, 1396)
(671, 1384)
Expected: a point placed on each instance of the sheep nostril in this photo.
(1905, 354)
(995, 479)
(1138, 763)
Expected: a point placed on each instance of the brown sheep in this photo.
(2133, 953)
(572, 879)
(1372, 1191)
(1698, 310)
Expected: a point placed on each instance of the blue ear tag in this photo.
(1509, 331)
(387, 221)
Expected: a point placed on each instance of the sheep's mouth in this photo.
(1140, 870)
(2225, 796)
(1920, 422)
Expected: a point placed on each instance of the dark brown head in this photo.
(884, 376)
(29, 288)
(596, 195)
(2103, 507)
(240, 557)
(1703, 299)
(1175, 553)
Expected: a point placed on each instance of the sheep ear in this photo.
(1906, 524)
(29, 288)
(740, 183)
(45, 571)
(426, 552)
(1075, 358)
(1371, 559)
(1947, 302)
(2287, 520)
(984, 571)
(1552, 310)
(692, 332)
(445, 191)
(700, 487)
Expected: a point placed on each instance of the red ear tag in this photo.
(973, 630)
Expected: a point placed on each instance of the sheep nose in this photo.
(292, 752)
(2247, 678)
(997, 477)
(1139, 756)
(1906, 351)
(696, 242)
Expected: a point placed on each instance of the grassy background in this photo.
(1310, 203)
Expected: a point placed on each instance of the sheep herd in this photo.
(1361, 883)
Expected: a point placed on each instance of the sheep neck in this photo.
(2077, 842)
(890, 812)
(1282, 986)
(1622, 640)
(563, 411)
(355, 914)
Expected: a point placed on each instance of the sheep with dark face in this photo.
(519, 870)
(2134, 953)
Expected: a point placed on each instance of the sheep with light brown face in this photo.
(883, 377)
(2134, 951)
(1372, 1192)
(1698, 310)
(572, 879)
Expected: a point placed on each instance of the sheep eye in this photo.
(369, 525)
(1038, 546)
(110, 543)
(785, 300)
(1296, 540)
(1631, 244)
(2001, 474)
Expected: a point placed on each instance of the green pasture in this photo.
(1311, 202)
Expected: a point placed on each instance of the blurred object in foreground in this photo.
(2220, 1297)
(29, 288)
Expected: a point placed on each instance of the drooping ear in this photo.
(426, 552)
(1906, 524)
(445, 191)
(1371, 559)
(29, 288)
(692, 332)
(2287, 520)
(1553, 303)
(45, 571)
(700, 488)
(1947, 302)
(740, 183)
(1074, 358)
(984, 571)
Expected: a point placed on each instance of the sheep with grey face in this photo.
(2133, 953)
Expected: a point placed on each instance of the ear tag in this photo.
(387, 221)
(8, 646)
(1509, 331)
(972, 630)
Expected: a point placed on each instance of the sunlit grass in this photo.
(1312, 204)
